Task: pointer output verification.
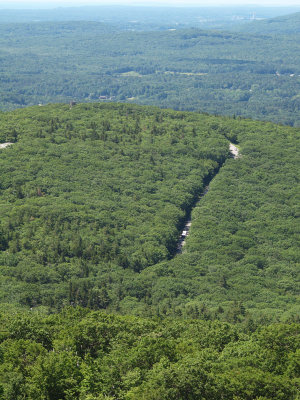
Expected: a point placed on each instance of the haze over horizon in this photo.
(176, 3)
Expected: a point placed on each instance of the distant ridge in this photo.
(287, 24)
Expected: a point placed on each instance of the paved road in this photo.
(3, 145)
(186, 230)
(234, 150)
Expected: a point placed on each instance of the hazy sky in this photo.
(206, 3)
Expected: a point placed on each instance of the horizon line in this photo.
(39, 6)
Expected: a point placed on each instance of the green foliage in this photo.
(98, 356)
(96, 192)
(254, 76)
(242, 253)
(93, 198)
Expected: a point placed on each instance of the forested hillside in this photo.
(140, 259)
(243, 250)
(225, 73)
(93, 198)
(96, 191)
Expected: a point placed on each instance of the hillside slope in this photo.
(93, 191)
(93, 198)
(243, 250)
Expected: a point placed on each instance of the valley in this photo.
(218, 72)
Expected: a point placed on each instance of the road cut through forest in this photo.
(186, 230)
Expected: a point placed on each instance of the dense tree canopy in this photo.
(99, 297)
(93, 198)
(85, 355)
(243, 250)
(93, 190)
(226, 73)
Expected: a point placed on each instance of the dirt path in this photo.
(4, 145)
(186, 230)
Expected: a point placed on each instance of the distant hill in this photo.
(255, 76)
(287, 24)
(148, 17)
